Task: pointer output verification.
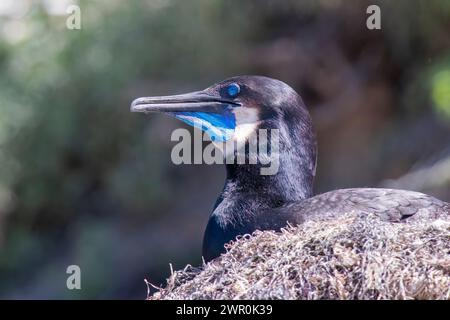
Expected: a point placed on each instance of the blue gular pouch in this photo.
(220, 127)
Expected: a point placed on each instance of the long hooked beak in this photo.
(198, 101)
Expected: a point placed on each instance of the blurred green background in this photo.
(85, 182)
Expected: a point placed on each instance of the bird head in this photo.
(231, 109)
(234, 109)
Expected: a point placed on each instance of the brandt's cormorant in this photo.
(233, 110)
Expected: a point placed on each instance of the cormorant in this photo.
(235, 108)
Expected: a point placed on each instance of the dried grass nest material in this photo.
(351, 257)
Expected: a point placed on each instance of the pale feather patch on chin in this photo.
(244, 131)
(241, 134)
(245, 115)
(247, 121)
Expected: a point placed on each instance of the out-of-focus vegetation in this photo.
(83, 181)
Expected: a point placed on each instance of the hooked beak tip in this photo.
(136, 106)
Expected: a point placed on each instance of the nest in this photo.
(353, 257)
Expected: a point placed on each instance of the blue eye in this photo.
(233, 90)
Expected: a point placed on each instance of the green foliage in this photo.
(68, 144)
(441, 92)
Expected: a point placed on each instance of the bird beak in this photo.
(200, 109)
(198, 101)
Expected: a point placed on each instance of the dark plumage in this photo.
(251, 201)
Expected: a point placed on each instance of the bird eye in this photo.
(233, 90)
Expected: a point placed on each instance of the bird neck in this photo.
(292, 181)
(296, 154)
(239, 208)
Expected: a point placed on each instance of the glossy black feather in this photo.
(250, 201)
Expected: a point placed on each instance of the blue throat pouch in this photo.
(220, 127)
